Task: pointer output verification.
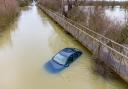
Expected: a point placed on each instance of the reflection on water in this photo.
(35, 40)
(5, 35)
(115, 14)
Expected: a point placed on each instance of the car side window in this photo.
(70, 60)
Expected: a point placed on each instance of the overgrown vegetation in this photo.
(8, 10)
(91, 17)
(24, 2)
(76, 15)
(95, 18)
(124, 35)
(51, 4)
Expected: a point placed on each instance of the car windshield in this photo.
(60, 59)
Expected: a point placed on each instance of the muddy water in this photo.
(30, 42)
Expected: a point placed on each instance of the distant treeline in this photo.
(95, 3)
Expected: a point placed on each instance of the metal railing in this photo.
(118, 47)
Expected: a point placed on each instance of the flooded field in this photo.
(30, 42)
(116, 14)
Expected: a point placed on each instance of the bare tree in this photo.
(76, 3)
(69, 2)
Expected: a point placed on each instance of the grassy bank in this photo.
(8, 10)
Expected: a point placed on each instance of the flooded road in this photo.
(30, 42)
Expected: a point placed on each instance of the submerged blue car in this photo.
(63, 59)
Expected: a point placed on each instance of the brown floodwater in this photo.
(30, 42)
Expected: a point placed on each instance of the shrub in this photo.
(77, 15)
(51, 4)
(23, 3)
(124, 35)
(8, 10)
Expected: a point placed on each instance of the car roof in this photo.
(67, 52)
